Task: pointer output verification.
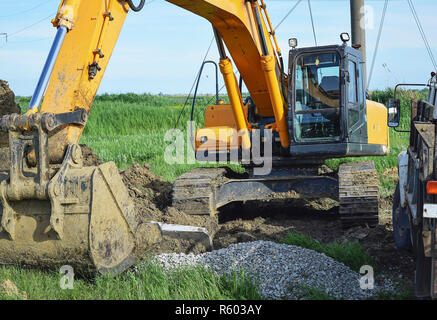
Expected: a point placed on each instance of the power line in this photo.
(422, 33)
(34, 40)
(31, 25)
(43, 19)
(312, 22)
(384, 11)
(288, 13)
(194, 83)
(27, 10)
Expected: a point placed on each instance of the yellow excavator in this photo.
(54, 210)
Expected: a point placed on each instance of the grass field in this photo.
(150, 283)
(130, 128)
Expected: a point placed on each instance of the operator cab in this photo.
(327, 100)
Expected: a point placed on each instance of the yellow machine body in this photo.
(377, 129)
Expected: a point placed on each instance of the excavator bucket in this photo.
(70, 215)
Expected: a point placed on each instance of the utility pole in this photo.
(359, 31)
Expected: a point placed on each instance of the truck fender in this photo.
(403, 176)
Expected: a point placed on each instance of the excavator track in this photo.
(358, 194)
(194, 191)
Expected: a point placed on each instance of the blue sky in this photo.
(164, 44)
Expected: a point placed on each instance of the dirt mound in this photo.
(89, 157)
(146, 187)
(265, 220)
(262, 220)
(152, 198)
(380, 245)
(273, 220)
(7, 100)
(7, 106)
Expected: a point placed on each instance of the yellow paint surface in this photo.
(377, 129)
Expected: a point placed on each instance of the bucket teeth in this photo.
(175, 231)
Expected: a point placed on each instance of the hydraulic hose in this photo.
(195, 96)
(284, 93)
(136, 8)
(48, 69)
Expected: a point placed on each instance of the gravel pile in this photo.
(280, 270)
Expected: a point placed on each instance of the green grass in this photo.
(402, 291)
(303, 292)
(151, 283)
(352, 254)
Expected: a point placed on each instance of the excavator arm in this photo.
(86, 36)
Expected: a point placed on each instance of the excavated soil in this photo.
(7, 106)
(7, 100)
(152, 198)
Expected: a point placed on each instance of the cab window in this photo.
(353, 97)
(317, 104)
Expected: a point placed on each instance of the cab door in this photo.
(355, 99)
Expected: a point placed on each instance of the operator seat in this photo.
(331, 85)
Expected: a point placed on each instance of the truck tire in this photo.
(401, 223)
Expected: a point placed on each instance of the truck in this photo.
(415, 198)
